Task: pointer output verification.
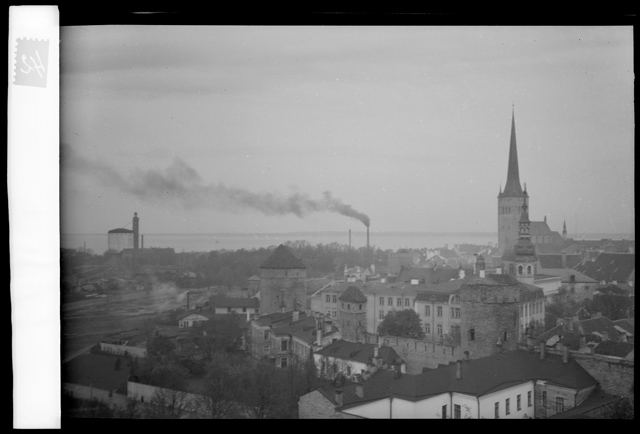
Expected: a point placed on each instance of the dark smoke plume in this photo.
(182, 184)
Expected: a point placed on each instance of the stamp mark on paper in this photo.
(31, 62)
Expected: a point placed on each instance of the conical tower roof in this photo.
(513, 188)
(283, 259)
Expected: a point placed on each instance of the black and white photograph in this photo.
(346, 221)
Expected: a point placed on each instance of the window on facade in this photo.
(559, 405)
(504, 337)
(283, 362)
(390, 301)
(507, 410)
(399, 302)
(472, 334)
(518, 405)
(359, 307)
(407, 302)
(427, 311)
(348, 323)
(381, 315)
(529, 399)
(348, 370)
(266, 334)
(529, 270)
(335, 298)
(520, 269)
(544, 399)
(427, 329)
(267, 349)
(496, 409)
(381, 301)
(452, 313)
(348, 306)
(439, 329)
(444, 411)
(333, 313)
(457, 312)
(439, 310)
(244, 310)
(343, 305)
(284, 345)
(456, 411)
(328, 298)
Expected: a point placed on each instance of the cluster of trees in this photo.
(208, 375)
(232, 268)
(403, 324)
(611, 301)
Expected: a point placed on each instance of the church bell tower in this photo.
(511, 199)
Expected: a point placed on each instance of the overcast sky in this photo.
(244, 129)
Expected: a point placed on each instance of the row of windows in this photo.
(507, 404)
(455, 311)
(331, 298)
(407, 301)
(507, 209)
(533, 309)
(349, 306)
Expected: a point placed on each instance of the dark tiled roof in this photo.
(616, 349)
(597, 399)
(479, 377)
(566, 273)
(428, 275)
(359, 352)
(626, 323)
(609, 267)
(283, 258)
(353, 295)
(553, 260)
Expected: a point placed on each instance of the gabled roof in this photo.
(566, 273)
(609, 267)
(360, 352)
(353, 295)
(427, 275)
(283, 258)
(479, 377)
(627, 324)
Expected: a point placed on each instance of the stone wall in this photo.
(420, 354)
(315, 405)
(615, 375)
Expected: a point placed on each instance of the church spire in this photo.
(512, 186)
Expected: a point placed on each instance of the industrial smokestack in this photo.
(349, 239)
(142, 241)
(135, 230)
(367, 238)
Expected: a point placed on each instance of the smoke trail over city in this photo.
(182, 184)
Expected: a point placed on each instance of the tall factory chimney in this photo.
(367, 238)
(142, 241)
(135, 230)
(349, 239)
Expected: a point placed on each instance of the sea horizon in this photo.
(392, 240)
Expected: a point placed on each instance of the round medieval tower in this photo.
(282, 282)
(352, 314)
(489, 315)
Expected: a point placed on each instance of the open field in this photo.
(85, 322)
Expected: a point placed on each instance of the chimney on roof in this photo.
(319, 337)
(458, 370)
(338, 397)
(360, 390)
(296, 315)
(474, 263)
(499, 270)
(565, 354)
(375, 352)
(461, 273)
(481, 273)
(396, 371)
(605, 336)
(543, 350)
(583, 341)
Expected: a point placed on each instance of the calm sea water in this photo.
(383, 240)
